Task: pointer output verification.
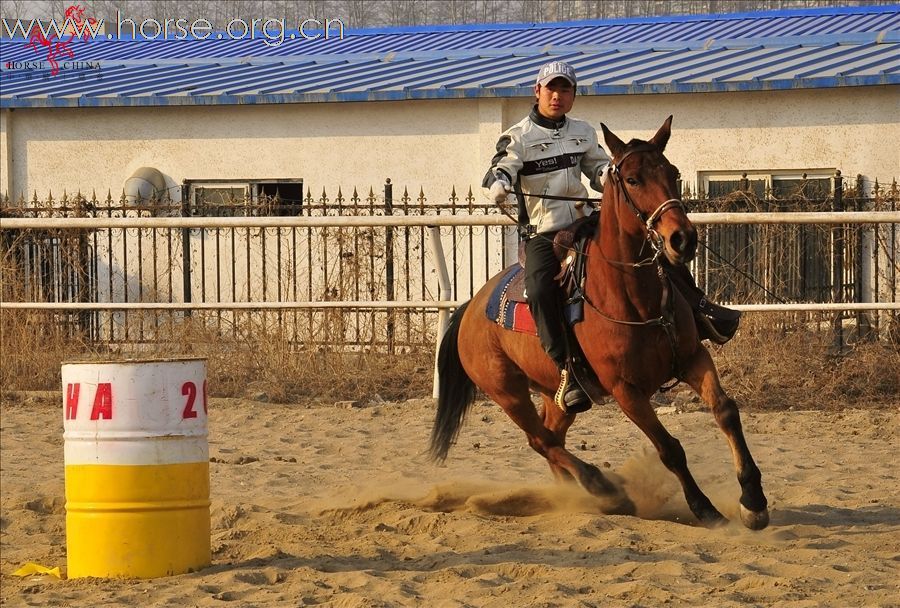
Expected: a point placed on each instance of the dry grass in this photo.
(262, 359)
(257, 360)
(776, 361)
(785, 360)
(31, 349)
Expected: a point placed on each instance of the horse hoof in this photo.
(624, 506)
(755, 520)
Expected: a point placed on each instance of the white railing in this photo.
(818, 217)
(433, 223)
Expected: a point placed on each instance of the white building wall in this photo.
(415, 143)
(434, 144)
(431, 145)
(6, 151)
(856, 130)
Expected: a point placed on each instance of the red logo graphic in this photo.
(57, 48)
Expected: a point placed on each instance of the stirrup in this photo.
(570, 397)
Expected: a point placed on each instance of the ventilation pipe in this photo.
(145, 184)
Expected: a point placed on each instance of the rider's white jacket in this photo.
(546, 157)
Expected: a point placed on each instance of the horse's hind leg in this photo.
(639, 410)
(703, 378)
(558, 423)
(550, 443)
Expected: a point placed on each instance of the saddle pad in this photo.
(504, 311)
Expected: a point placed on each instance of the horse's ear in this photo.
(615, 145)
(662, 136)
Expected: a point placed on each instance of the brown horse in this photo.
(636, 332)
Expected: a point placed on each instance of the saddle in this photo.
(508, 304)
(568, 245)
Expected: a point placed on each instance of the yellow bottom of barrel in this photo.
(137, 521)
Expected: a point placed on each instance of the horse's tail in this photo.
(456, 391)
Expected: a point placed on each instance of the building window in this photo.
(792, 261)
(768, 185)
(238, 198)
(802, 187)
(719, 186)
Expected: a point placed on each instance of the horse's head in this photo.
(645, 181)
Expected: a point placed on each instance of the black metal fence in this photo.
(756, 263)
(735, 264)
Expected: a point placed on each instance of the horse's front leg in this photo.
(637, 407)
(702, 376)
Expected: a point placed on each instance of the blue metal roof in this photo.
(814, 48)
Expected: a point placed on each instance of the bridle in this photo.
(647, 221)
(666, 320)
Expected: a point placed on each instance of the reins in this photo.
(647, 221)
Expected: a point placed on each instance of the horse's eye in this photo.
(631, 181)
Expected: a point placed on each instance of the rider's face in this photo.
(555, 99)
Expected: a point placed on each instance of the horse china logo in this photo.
(76, 25)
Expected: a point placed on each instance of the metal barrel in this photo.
(137, 467)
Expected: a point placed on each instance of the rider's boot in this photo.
(719, 331)
(714, 322)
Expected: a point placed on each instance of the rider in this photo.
(545, 154)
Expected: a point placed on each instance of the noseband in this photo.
(649, 222)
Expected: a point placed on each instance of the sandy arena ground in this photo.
(337, 506)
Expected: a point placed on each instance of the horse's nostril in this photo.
(679, 241)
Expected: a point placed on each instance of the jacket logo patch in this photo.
(548, 165)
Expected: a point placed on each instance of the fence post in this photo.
(389, 261)
(862, 268)
(93, 274)
(186, 249)
(837, 265)
(81, 270)
(444, 293)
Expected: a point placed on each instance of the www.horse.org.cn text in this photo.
(271, 31)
